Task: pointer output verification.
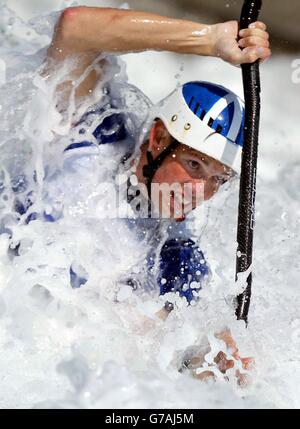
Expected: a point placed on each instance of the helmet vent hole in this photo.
(187, 126)
(219, 129)
(210, 122)
(196, 108)
(191, 102)
(174, 118)
(202, 115)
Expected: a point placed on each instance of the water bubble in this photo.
(85, 327)
(2, 72)
(77, 372)
(2, 307)
(194, 285)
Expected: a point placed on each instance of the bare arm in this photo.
(88, 31)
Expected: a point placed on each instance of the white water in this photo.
(64, 347)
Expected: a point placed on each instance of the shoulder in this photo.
(118, 116)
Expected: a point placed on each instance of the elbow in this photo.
(73, 14)
(68, 24)
(74, 20)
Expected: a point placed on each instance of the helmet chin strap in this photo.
(152, 166)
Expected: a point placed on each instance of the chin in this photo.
(182, 216)
(180, 219)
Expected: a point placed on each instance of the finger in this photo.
(258, 24)
(252, 54)
(220, 356)
(243, 379)
(223, 363)
(262, 61)
(254, 32)
(248, 363)
(205, 376)
(254, 41)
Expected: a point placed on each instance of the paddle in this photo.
(246, 215)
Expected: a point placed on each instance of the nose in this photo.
(203, 189)
(194, 193)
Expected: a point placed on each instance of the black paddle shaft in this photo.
(246, 216)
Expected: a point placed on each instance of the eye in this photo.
(194, 165)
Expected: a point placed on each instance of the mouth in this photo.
(182, 209)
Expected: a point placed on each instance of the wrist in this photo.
(202, 40)
(213, 36)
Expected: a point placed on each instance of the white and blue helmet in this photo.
(208, 118)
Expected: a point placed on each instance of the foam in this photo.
(100, 345)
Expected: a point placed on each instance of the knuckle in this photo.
(252, 57)
(261, 25)
(263, 34)
(236, 59)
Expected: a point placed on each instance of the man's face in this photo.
(186, 166)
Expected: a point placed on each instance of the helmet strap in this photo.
(152, 166)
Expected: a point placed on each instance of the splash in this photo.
(73, 333)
